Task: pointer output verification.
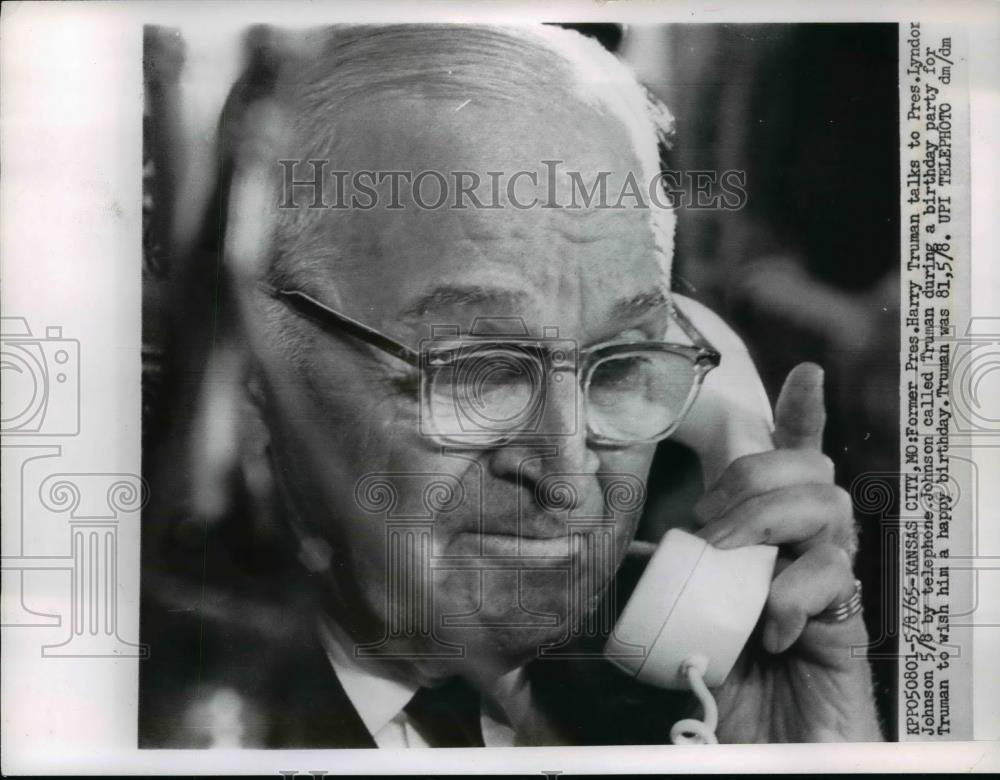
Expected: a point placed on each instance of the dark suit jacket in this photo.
(266, 681)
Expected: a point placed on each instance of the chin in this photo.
(482, 621)
(493, 651)
(509, 619)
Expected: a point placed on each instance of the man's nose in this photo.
(556, 445)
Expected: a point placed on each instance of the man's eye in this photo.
(618, 373)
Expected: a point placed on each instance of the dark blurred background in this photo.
(808, 270)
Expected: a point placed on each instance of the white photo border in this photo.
(70, 226)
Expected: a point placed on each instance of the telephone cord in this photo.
(692, 731)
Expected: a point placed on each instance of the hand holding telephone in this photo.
(695, 606)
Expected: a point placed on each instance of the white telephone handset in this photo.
(695, 606)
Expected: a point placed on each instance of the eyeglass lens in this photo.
(482, 394)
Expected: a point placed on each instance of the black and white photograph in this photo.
(497, 384)
(606, 388)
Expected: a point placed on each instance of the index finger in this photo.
(800, 413)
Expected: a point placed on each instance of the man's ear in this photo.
(258, 475)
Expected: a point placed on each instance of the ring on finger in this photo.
(845, 610)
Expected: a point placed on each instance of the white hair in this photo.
(329, 68)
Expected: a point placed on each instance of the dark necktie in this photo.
(448, 715)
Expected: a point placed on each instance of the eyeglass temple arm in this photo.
(696, 336)
(327, 318)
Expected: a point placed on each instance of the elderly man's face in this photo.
(340, 411)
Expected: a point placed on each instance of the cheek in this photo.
(335, 428)
(632, 462)
(342, 407)
(626, 490)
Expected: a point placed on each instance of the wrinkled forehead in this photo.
(474, 210)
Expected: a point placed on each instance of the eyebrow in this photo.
(449, 296)
(629, 309)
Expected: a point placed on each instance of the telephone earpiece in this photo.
(732, 414)
(695, 606)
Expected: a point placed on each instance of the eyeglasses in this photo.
(484, 392)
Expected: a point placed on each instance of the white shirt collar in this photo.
(376, 699)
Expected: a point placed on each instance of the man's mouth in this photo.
(526, 548)
(537, 527)
(506, 544)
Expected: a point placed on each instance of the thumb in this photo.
(800, 414)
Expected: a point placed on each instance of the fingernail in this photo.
(718, 534)
(814, 375)
(729, 540)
